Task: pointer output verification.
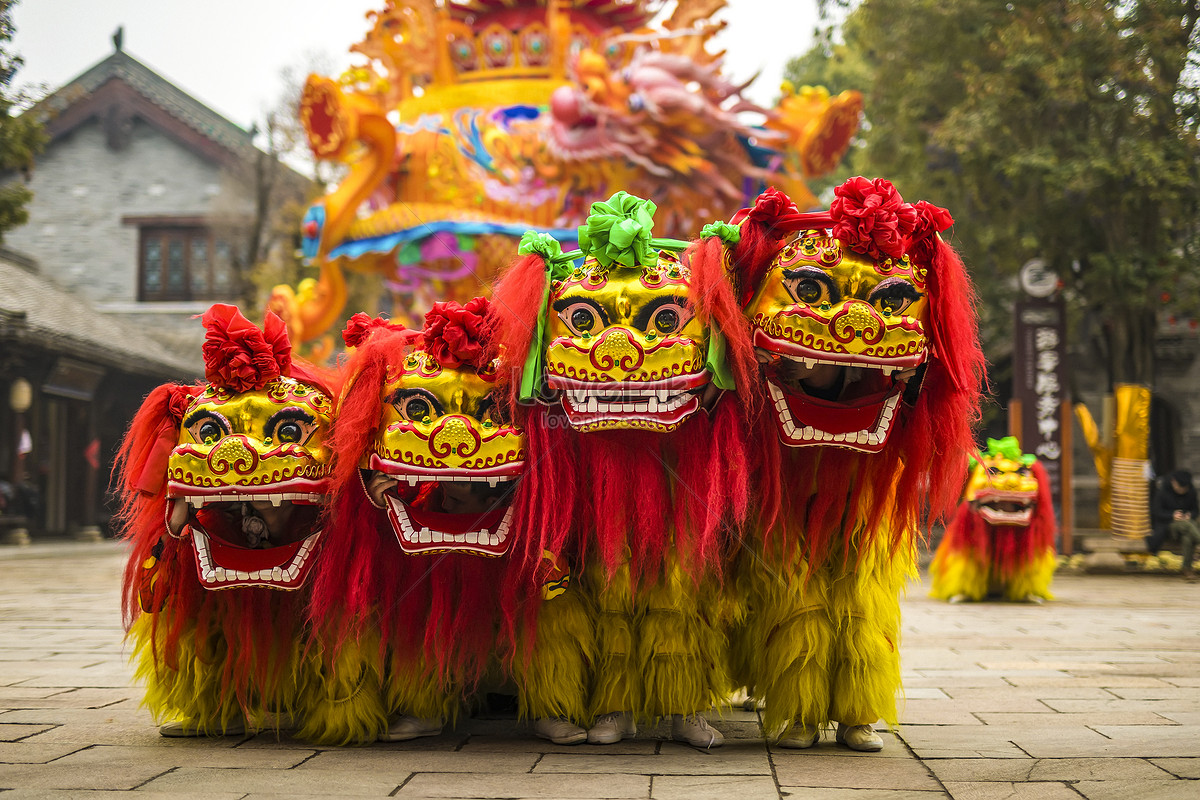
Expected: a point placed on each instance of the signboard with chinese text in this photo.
(1040, 383)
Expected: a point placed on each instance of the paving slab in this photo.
(344, 783)
(79, 794)
(78, 775)
(1044, 769)
(1142, 790)
(856, 773)
(1082, 719)
(372, 760)
(712, 787)
(727, 760)
(17, 732)
(25, 753)
(1179, 767)
(1040, 790)
(557, 786)
(823, 793)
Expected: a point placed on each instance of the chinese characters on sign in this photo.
(1039, 383)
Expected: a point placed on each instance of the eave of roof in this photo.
(122, 78)
(38, 313)
(158, 90)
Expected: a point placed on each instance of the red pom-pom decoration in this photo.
(360, 327)
(871, 218)
(239, 356)
(772, 205)
(931, 220)
(456, 335)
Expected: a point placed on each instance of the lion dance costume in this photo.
(222, 487)
(418, 580)
(1001, 540)
(865, 330)
(645, 456)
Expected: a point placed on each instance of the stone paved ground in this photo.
(1096, 695)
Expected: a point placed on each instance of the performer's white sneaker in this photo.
(859, 737)
(559, 730)
(186, 729)
(799, 737)
(695, 730)
(612, 728)
(959, 598)
(406, 727)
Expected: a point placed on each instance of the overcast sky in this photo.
(229, 53)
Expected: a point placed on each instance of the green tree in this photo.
(1060, 129)
(21, 137)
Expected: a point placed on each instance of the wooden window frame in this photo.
(187, 233)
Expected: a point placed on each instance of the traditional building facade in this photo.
(146, 201)
(146, 209)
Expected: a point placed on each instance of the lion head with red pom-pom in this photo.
(443, 454)
(250, 465)
(863, 320)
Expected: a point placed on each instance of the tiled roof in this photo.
(158, 90)
(34, 310)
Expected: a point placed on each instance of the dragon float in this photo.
(469, 122)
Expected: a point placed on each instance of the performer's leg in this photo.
(792, 636)
(617, 686)
(342, 702)
(866, 610)
(682, 652)
(552, 669)
(1030, 582)
(1188, 538)
(183, 686)
(958, 572)
(419, 702)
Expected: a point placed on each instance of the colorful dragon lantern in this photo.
(1001, 540)
(472, 121)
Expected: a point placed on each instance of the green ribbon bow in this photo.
(728, 234)
(619, 231)
(558, 267)
(1007, 447)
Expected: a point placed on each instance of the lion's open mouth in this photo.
(833, 403)
(1013, 509)
(441, 511)
(647, 405)
(252, 540)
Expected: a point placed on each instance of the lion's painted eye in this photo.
(663, 315)
(810, 286)
(206, 427)
(666, 320)
(583, 320)
(208, 431)
(894, 296)
(290, 426)
(415, 404)
(288, 432)
(808, 291)
(416, 408)
(580, 316)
